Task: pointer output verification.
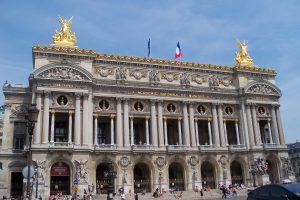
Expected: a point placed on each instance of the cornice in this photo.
(123, 58)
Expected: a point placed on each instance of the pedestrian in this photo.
(136, 196)
(201, 193)
(224, 191)
(123, 196)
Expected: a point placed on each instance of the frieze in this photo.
(199, 79)
(63, 73)
(121, 74)
(19, 111)
(138, 74)
(61, 85)
(104, 71)
(170, 76)
(262, 89)
(185, 80)
(154, 77)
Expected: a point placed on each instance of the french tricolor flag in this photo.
(178, 51)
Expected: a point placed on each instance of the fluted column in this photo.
(95, 129)
(126, 124)
(197, 131)
(254, 124)
(37, 130)
(119, 124)
(160, 124)
(244, 126)
(258, 130)
(166, 131)
(85, 132)
(250, 127)
(112, 130)
(186, 129)
(52, 126)
(153, 124)
(215, 125)
(147, 130)
(77, 135)
(192, 125)
(274, 125)
(46, 119)
(179, 131)
(225, 131)
(221, 126)
(270, 132)
(209, 131)
(237, 132)
(280, 128)
(70, 131)
(131, 130)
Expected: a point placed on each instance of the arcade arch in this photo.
(60, 178)
(176, 176)
(142, 177)
(236, 172)
(208, 173)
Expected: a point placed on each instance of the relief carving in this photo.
(154, 77)
(160, 162)
(40, 170)
(124, 161)
(199, 79)
(81, 173)
(19, 111)
(262, 89)
(138, 74)
(104, 72)
(63, 73)
(185, 80)
(169, 76)
(121, 74)
(287, 166)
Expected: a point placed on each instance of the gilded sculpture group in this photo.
(65, 37)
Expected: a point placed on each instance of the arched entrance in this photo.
(101, 180)
(236, 172)
(208, 175)
(141, 178)
(60, 178)
(273, 170)
(176, 176)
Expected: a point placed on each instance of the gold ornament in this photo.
(64, 37)
(242, 57)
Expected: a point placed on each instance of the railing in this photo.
(61, 146)
(176, 148)
(105, 147)
(236, 147)
(207, 148)
(270, 146)
(142, 148)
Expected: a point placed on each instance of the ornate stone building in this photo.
(162, 123)
(294, 155)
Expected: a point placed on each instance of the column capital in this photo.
(275, 105)
(236, 121)
(112, 116)
(209, 119)
(179, 118)
(165, 118)
(52, 112)
(153, 101)
(224, 120)
(185, 102)
(95, 115)
(131, 117)
(71, 112)
(39, 92)
(77, 95)
(269, 119)
(147, 117)
(217, 103)
(251, 104)
(85, 95)
(47, 93)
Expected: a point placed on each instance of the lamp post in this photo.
(110, 175)
(33, 113)
(253, 172)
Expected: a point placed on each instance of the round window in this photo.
(261, 110)
(138, 106)
(62, 100)
(201, 109)
(103, 104)
(228, 110)
(171, 107)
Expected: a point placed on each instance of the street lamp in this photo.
(110, 174)
(32, 116)
(253, 172)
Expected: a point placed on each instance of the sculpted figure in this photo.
(41, 166)
(81, 171)
(65, 37)
(243, 57)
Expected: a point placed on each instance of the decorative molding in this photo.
(138, 74)
(104, 71)
(169, 76)
(63, 73)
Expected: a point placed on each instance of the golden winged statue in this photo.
(64, 37)
(242, 57)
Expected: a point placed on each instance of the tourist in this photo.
(201, 193)
(123, 196)
(136, 196)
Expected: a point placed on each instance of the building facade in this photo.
(162, 123)
(294, 155)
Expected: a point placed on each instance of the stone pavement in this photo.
(187, 195)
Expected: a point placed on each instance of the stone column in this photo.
(96, 129)
(221, 126)
(52, 126)
(153, 124)
(254, 123)
(147, 130)
(85, 132)
(46, 119)
(280, 127)
(166, 131)
(197, 131)
(131, 130)
(258, 130)
(119, 124)
(179, 131)
(77, 136)
(225, 132)
(215, 125)
(274, 125)
(70, 131)
(112, 129)
(209, 132)
(250, 127)
(160, 124)
(237, 132)
(186, 129)
(192, 124)
(270, 132)
(37, 130)
(244, 125)
(126, 124)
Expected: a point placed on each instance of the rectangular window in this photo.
(19, 135)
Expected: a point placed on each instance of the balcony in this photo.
(271, 146)
(207, 148)
(61, 146)
(105, 148)
(142, 148)
(236, 148)
(176, 148)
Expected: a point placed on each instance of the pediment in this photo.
(63, 72)
(263, 88)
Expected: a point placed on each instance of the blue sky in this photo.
(207, 31)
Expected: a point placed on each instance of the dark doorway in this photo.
(172, 129)
(102, 181)
(16, 189)
(142, 181)
(208, 175)
(60, 179)
(236, 173)
(176, 177)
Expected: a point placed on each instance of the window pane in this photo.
(264, 191)
(278, 192)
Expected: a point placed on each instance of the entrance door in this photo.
(176, 177)
(101, 180)
(16, 184)
(208, 175)
(142, 178)
(60, 179)
(236, 173)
